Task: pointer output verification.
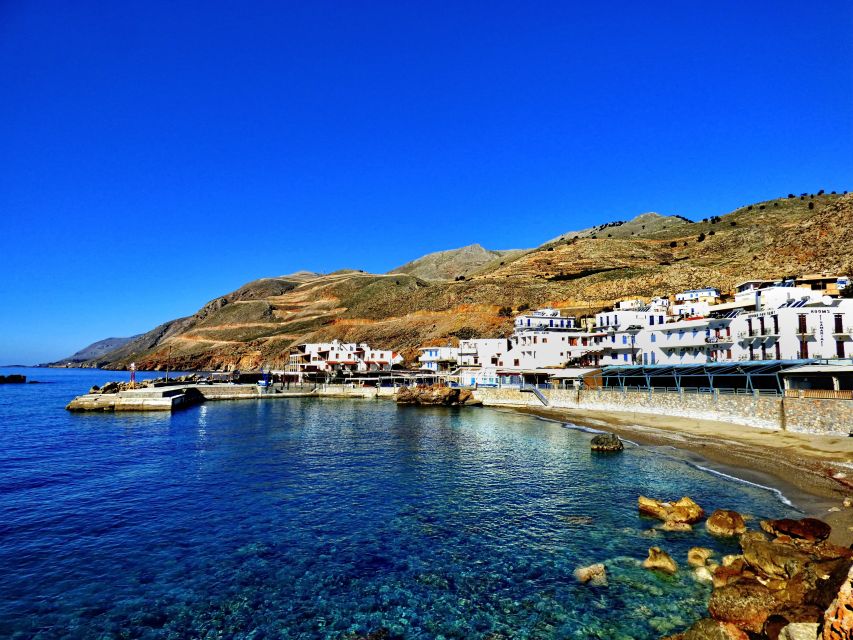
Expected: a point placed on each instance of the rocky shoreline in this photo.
(788, 583)
(436, 395)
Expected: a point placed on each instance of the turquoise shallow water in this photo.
(309, 518)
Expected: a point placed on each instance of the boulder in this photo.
(684, 510)
(698, 556)
(745, 603)
(707, 629)
(110, 387)
(659, 560)
(674, 526)
(838, 618)
(725, 523)
(773, 559)
(594, 575)
(606, 442)
(810, 529)
(799, 631)
(703, 574)
(435, 395)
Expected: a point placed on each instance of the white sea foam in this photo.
(781, 496)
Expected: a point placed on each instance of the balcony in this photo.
(846, 332)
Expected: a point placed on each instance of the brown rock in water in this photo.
(698, 556)
(606, 442)
(706, 629)
(838, 618)
(684, 510)
(725, 523)
(669, 525)
(595, 575)
(810, 529)
(659, 560)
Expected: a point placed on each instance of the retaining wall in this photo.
(802, 415)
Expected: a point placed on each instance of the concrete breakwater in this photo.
(799, 415)
(180, 396)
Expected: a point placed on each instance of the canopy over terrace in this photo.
(836, 376)
(749, 375)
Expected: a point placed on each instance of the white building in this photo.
(339, 357)
(546, 339)
(805, 328)
(481, 352)
(438, 359)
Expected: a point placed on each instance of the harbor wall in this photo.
(801, 415)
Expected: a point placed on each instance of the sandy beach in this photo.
(814, 472)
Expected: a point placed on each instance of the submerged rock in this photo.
(660, 560)
(684, 510)
(725, 523)
(595, 575)
(606, 442)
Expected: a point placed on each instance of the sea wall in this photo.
(802, 415)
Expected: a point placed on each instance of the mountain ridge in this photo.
(256, 324)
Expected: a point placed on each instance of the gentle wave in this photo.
(779, 495)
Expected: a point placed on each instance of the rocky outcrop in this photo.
(13, 379)
(781, 586)
(436, 395)
(810, 529)
(725, 523)
(606, 442)
(594, 575)
(684, 511)
(660, 560)
(837, 623)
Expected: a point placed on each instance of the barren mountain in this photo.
(257, 324)
(451, 264)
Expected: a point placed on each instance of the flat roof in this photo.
(819, 368)
(575, 372)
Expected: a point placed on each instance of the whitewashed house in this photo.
(339, 357)
(438, 359)
(545, 339)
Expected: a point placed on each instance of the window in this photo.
(653, 357)
(654, 338)
(624, 339)
(651, 320)
(625, 357)
(660, 319)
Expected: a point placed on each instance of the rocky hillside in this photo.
(643, 224)
(257, 324)
(93, 352)
(454, 263)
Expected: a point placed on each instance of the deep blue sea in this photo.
(321, 518)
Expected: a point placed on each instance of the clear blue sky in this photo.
(156, 155)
